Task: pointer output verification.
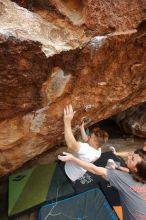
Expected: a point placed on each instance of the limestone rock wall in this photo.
(53, 53)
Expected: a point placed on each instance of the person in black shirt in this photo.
(141, 151)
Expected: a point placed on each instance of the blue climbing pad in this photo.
(89, 205)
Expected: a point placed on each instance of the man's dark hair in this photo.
(140, 174)
(140, 151)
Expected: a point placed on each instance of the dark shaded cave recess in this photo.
(129, 123)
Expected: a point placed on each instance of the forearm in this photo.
(84, 135)
(124, 169)
(122, 154)
(90, 167)
(69, 137)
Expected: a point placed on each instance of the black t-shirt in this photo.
(137, 151)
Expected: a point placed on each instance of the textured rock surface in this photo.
(100, 16)
(133, 120)
(48, 59)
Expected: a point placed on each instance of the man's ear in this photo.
(135, 169)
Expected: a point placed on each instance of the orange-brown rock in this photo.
(100, 16)
(133, 120)
(47, 61)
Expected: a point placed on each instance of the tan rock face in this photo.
(133, 120)
(47, 61)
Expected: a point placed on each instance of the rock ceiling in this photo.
(53, 53)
